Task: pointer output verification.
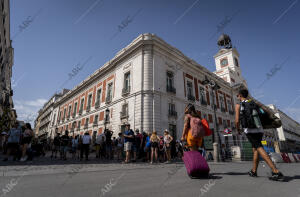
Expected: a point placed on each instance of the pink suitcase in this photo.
(195, 164)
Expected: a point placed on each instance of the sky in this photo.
(51, 39)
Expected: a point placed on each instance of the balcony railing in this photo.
(172, 113)
(203, 102)
(223, 109)
(231, 112)
(126, 90)
(86, 126)
(73, 115)
(191, 98)
(171, 89)
(78, 128)
(97, 104)
(80, 111)
(108, 99)
(88, 108)
(95, 123)
(68, 117)
(63, 120)
(123, 114)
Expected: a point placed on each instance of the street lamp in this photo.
(215, 87)
(106, 118)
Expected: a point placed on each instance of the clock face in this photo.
(236, 62)
(224, 62)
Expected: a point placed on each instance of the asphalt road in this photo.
(106, 179)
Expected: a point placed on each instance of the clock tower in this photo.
(228, 63)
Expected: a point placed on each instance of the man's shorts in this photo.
(255, 139)
(127, 146)
(193, 142)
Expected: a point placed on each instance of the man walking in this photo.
(13, 141)
(245, 114)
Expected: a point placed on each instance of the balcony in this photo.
(78, 128)
(86, 126)
(95, 123)
(63, 120)
(97, 104)
(191, 98)
(123, 114)
(231, 112)
(108, 99)
(171, 89)
(203, 102)
(172, 113)
(223, 109)
(80, 111)
(88, 108)
(68, 117)
(73, 115)
(125, 91)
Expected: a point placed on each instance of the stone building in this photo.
(6, 62)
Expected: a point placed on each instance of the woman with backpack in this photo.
(191, 134)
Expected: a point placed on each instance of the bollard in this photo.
(216, 154)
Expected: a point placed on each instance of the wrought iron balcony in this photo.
(191, 98)
(95, 123)
(86, 126)
(123, 114)
(78, 128)
(231, 112)
(126, 91)
(88, 108)
(68, 117)
(97, 104)
(80, 111)
(73, 115)
(223, 109)
(171, 89)
(172, 113)
(108, 99)
(203, 102)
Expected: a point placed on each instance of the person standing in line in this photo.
(86, 141)
(139, 143)
(97, 143)
(56, 144)
(26, 140)
(167, 141)
(120, 145)
(65, 140)
(244, 115)
(74, 146)
(108, 135)
(154, 139)
(161, 149)
(13, 140)
(128, 139)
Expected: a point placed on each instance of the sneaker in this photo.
(276, 176)
(252, 174)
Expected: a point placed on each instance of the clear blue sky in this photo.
(67, 32)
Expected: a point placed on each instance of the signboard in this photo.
(208, 142)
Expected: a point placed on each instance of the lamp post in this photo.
(216, 146)
(106, 118)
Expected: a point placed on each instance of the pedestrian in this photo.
(103, 147)
(80, 148)
(167, 141)
(147, 148)
(56, 145)
(74, 146)
(65, 141)
(245, 115)
(134, 146)
(139, 143)
(108, 142)
(161, 149)
(120, 145)
(193, 142)
(13, 141)
(154, 139)
(128, 139)
(97, 144)
(26, 140)
(86, 141)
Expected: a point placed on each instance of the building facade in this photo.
(7, 113)
(289, 133)
(147, 85)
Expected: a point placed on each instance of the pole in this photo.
(215, 144)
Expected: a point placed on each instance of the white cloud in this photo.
(27, 110)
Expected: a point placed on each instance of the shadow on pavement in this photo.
(290, 178)
(231, 173)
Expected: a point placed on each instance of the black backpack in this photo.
(246, 114)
